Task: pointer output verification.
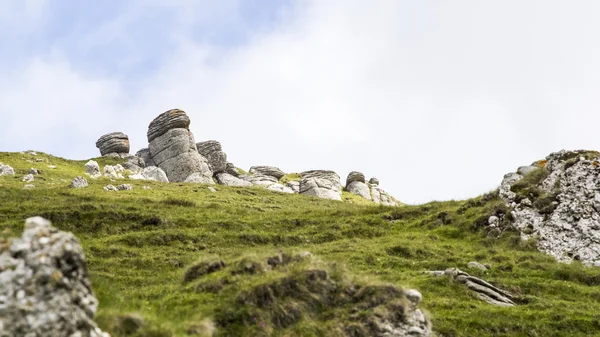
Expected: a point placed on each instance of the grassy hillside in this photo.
(140, 244)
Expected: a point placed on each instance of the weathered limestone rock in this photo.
(173, 149)
(125, 187)
(6, 170)
(380, 196)
(267, 171)
(144, 154)
(563, 214)
(230, 180)
(79, 182)
(92, 169)
(359, 188)
(151, 173)
(110, 188)
(28, 178)
(213, 152)
(355, 176)
(34, 172)
(321, 183)
(476, 265)
(30, 304)
(115, 142)
(269, 182)
(231, 169)
(484, 290)
(199, 178)
(114, 172)
(374, 181)
(294, 186)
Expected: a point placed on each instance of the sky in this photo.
(438, 99)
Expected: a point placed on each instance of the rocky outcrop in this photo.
(44, 285)
(173, 149)
(270, 171)
(379, 196)
(231, 169)
(268, 182)
(151, 173)
(321, 183)
(144, 154)
(230, 180)
(213, 152)
(374, 181)
(294, 186)
(79, 182)
(484, 290)
(6, 170)
(558, 203)
(92, 169)
(114, 172)
(115, 142)
(199, 178)
(355, 184)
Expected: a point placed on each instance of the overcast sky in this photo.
(438, 99)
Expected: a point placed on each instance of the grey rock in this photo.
(493, 221)
(231, 169)
(199, 178)
(34, 172)
(6, 170)
(374, 181)
(568, 227)
(79, 182)
(355, 176)
(277, 187)
(484, 290)
(294, 186)
(144, 154)
(524, 170)
(212, 189)
(360, 188)
(110, 188)
(125, 187)
(28, 178)
(476, 265)
(114, 171)
(267, 171)
(115, 142)
(414, 296)
(207, 147)
(92, 169)
(173, 149)
(321, 183)
(213, 152)
(32, 306)
(151, 173)
(230, 180)
(380, 196)
(259, 179)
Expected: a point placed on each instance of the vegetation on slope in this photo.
(140, 244)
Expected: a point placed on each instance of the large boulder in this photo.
(558, 203)
(115, 142)
(151, 173)
(267, 171)
(6, 170)
(173, 149)
(92, 169)
(213, 152)
(231, 169)
(355, 176)
(268, 182)
(321, 183)
(144, 154)
(44, 285)
(230, 180)
(355, 184)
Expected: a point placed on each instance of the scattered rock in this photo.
(114, 172)
(199, 178)
(115, 142)
(484, 290)
(147, 188)
(51, 166)
(267, 171)
(523, 170)
(28, 178)
(173, 148)
(230, 180)
(79, 182)
(92, 169)
(268, 182)
(6, 170)
(213, 152)
(45, 289)
(110, 188)
(125, 187)
(476, 265)
(320, 183)
(151, 173)
(280, 188)
(34, 171)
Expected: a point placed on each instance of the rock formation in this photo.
(144, 154)
(213, 152)
(558, 202)
(44, 288)
(294, 186)
(199, 178)
(321, 183)
(267, 171)
(230, 180)
(380, 196)
(151, 173)
(114, 172)
(6, 170)
(79, 182)
(111, 143)
(173, 149)
(92, 169)
(231, 169)
(355, 184)
(268, 182)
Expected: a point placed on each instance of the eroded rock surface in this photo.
(213, 152)
(230, 180)
(6, 170)
(79, 182)
(44, 285)
(151, 173)
(270, 171)
(92, 169)
(321, 183)
(559, 204)
(115, 142)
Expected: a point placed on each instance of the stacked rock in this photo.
(268, 171)
(213, 152)
(173, 149)
(113, 144)
(144, 154)
(380, 196)
(355, 184)
(321, 183)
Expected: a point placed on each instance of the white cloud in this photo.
(437, 99)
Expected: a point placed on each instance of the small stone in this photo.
(476, 265)
(51, 166)
(110, 188)
(414, 296)
(125, 187)
(28, 178)
(34, 171)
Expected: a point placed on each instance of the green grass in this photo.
(140, 244)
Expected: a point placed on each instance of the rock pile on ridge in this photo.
(321, 183)
(213, 152)
(115, 144)
(173, 149)
(270, 171)
(557, 200)
(44, 288)
(380, 196)
(355, 184)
